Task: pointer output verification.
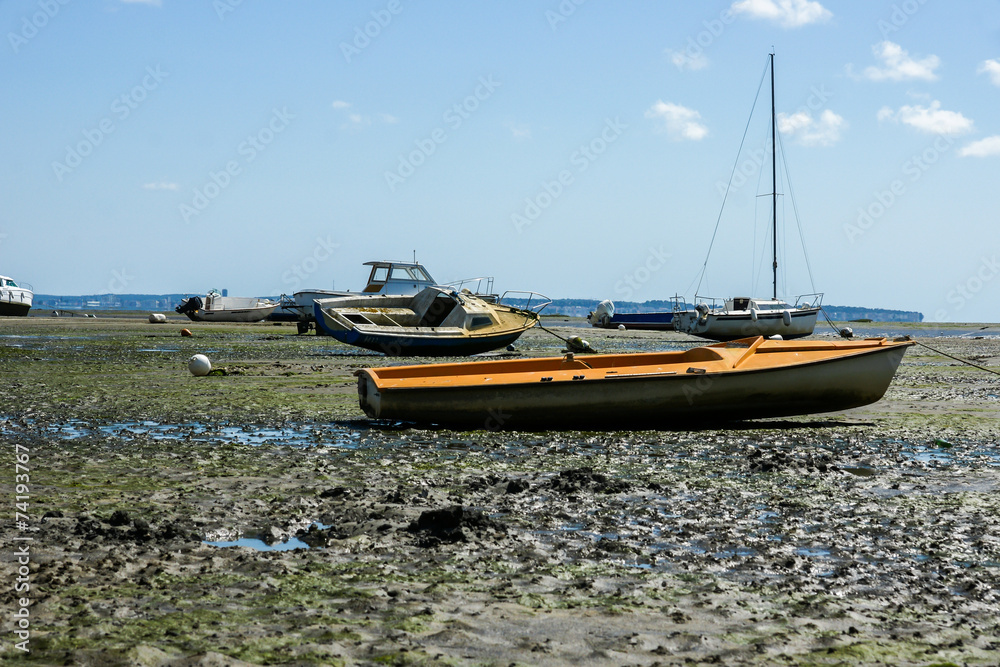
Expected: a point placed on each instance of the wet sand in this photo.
(862, 537)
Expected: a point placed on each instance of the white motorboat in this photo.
(218, 308)
(15, 299)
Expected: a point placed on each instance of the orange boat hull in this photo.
(739, 380)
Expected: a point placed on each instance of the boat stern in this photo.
(369, 397)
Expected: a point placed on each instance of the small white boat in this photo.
(218, 308)
(435, 321)
(741, 317)
(751, 378)
(15, 299)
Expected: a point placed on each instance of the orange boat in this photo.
(742, 379)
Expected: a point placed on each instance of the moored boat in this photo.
(741, 317)
(218, 308)
(435, 321)
(744, 316)
(605, 317)
(15, 299)
(737, 380)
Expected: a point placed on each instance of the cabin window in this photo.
(400, 273)
(418, 274)
(480, 321)
(379, 274)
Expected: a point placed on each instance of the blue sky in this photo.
(578, 148)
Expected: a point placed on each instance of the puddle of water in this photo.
(261, 545)
(301, 436)
(258, 544)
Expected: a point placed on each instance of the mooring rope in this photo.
(569, 345)
(951, 356)
(842, 333)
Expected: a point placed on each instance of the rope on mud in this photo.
(964, 361)
(950, 356)
(570, 344)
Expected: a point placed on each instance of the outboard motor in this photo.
(190, 305)
(602, 314)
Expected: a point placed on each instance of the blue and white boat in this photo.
(604, 316)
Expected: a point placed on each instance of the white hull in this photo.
(14, 300)
(732, 325)
(241, 315)
(217, 308)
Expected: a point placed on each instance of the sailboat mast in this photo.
(774, 189)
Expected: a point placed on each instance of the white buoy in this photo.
(199, 365)
(157, 318)
(621, 327)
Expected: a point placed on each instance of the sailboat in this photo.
(740, 317)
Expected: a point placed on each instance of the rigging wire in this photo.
(798, 221)
(704, 266)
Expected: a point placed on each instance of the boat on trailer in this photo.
(434, 322)
(703, 386)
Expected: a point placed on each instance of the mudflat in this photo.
(862, 537)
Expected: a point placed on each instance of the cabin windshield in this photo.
(8, 283)
(419, 274)
(401, 273)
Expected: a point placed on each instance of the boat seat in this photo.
(702, 354)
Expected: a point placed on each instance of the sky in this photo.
(577, 148)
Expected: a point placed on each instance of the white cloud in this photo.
(683, 61)
(991, 67)
(897, 65)
(931, 119)
(982, 148)
(519, 132)
(161, 186)
(677, 121)
(355, 120)
(809, 131)
(786, 13)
